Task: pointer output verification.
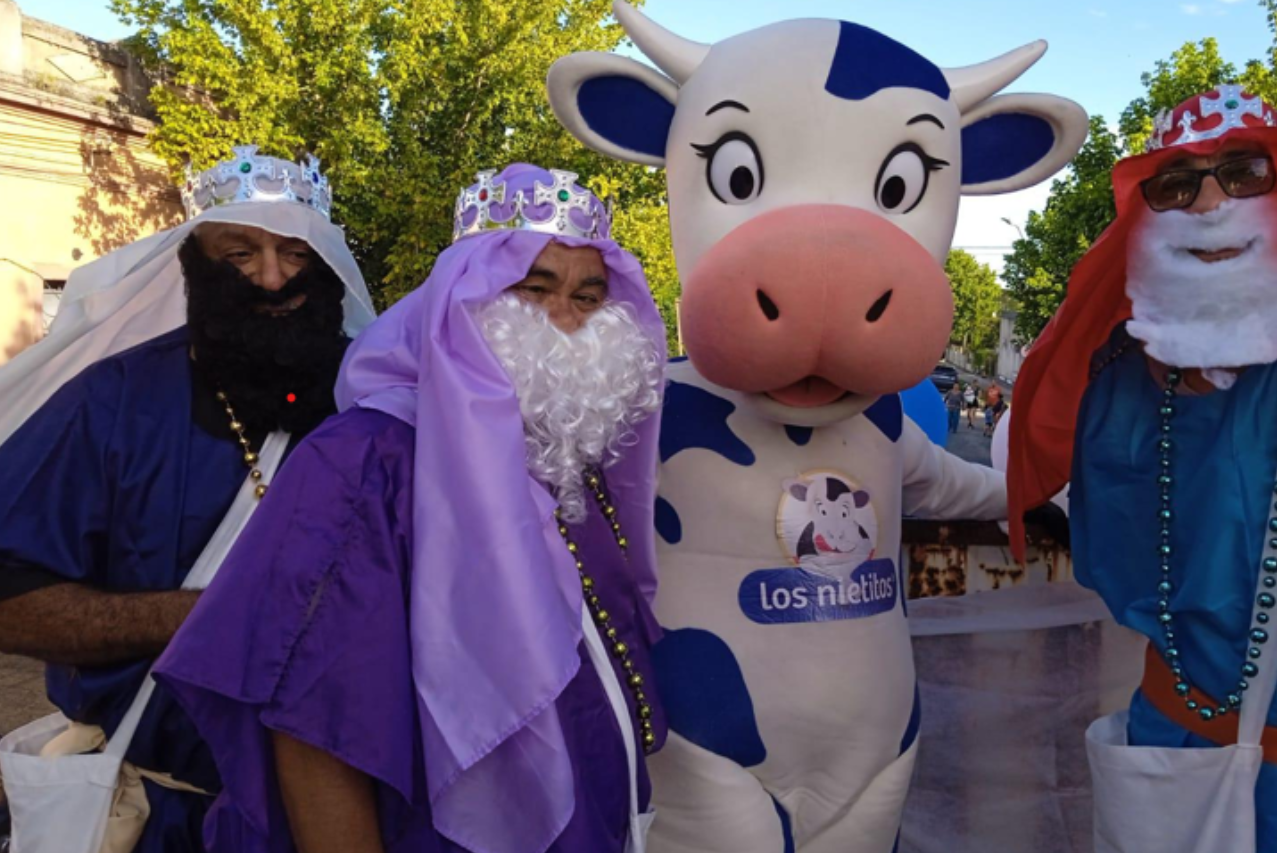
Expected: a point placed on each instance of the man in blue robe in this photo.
(1154, 390)
(111, 488)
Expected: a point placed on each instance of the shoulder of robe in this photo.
(361, 446)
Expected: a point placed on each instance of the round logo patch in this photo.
(826, 523)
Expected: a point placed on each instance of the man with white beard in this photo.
(1156, 383)
(434, 635)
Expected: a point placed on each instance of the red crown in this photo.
(1209, 116)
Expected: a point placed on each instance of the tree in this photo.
(404, 100)
(977, 301)
(1078, 210)
(1081, 204)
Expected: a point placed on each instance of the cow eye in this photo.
(904, 177)
(735, 169)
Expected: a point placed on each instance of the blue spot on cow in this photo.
(1004, 145)
(668, 523)
(915, 721)
(705, 696)
(888, 415)
(627, 113)
(786, 827)
(799, 435)
(867, 62)
(693, 417)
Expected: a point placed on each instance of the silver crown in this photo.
(1232, 103)
(563, 197)
(253, 177)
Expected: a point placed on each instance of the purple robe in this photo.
(306, 631)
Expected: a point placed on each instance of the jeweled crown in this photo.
(518, 199)
(253, 177)
(1195, 119)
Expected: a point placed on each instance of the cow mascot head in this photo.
(815, 169)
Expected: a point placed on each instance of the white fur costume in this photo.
(787, 671)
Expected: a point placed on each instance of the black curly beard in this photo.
(258, 359)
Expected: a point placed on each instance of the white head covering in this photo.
(138, 293)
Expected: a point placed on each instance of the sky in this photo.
(1099, 49)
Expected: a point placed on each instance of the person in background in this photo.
(953, 404)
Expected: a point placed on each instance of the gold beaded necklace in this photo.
(250, 458)
(619, 650)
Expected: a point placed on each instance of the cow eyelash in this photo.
(933, 164)
(707, 151)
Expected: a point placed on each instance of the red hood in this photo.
(1049, 389)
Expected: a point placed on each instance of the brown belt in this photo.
(1159, 688)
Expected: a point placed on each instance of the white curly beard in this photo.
(580, 394)
(1209, 315)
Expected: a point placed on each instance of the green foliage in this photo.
(1079, 209)
(977, 301)
(1081, 203)
(404, 100)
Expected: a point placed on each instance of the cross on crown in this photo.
(1231, 103)
(488, 200)
(253, 177)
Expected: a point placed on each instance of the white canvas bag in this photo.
(89, 803)
(1180, 800)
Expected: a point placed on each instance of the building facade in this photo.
(76, 177)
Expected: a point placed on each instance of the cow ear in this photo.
(861, 499)
(614, 105)
(797, 489)
(1011, 142)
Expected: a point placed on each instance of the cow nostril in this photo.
(769, 308)
(876, 310)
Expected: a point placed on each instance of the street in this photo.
(970, 443)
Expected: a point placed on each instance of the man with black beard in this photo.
(127, 444)
(436, 635)
(268, 334)
(1154, 391)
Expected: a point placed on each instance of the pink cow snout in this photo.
(811, 302)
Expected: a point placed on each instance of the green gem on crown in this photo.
(246, 167)
(1232, 105)
(564, 195)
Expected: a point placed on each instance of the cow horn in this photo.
(976, 83)
(676, 56)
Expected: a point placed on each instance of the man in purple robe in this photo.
(434, 634)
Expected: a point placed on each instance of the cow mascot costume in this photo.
(814, 171)
(1154, 390)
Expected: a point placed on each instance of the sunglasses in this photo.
(1237, 178)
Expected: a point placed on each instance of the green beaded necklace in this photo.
(619, 650)
(1266, 601)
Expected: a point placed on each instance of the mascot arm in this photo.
(939, 485)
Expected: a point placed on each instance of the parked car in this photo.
(944, 377)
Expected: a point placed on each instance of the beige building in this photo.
(76, 178)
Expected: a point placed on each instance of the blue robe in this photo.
(112, 484)
(1225, 455)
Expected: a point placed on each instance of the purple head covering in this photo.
(495, 596)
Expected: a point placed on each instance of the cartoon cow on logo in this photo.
(834, 530)
(815, 169)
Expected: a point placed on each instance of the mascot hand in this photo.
(1053, 520)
